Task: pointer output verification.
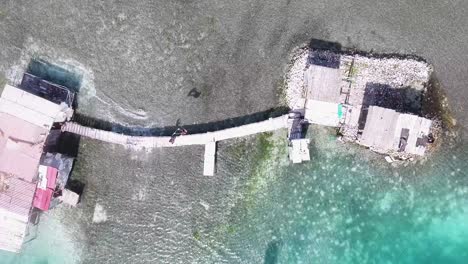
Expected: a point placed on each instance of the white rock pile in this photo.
(295, 80)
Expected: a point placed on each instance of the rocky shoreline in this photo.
(397, 82)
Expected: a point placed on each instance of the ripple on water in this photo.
(347, 206)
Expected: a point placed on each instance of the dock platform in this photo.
(210, 159)
(208, 139)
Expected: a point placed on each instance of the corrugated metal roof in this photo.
(25, 121)
(12, 230)
(42, 199)
(384, 128)
(26, 114)
(18, 197)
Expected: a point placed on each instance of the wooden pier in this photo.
(208, 139)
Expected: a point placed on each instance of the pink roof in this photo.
(42, 199)
(45, 187)
(51, 177)
(21, 145)
(22, 138)
(18, 197)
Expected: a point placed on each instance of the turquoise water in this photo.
(346, 205)
(58, 241)
(350, 206)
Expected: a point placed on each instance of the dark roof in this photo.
(296, 128)
(47, 90)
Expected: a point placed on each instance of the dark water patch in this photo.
(435, 103)
(272, 252)
(321, 44)
(339, 49)
(325, 53)
(56, 74)
(194, 93)
(168, 130)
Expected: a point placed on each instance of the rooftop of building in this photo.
(25, 121)
(47, 90)
(389, 131)
(339, 89)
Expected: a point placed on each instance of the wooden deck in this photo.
(384, 130)
(208, 139)
(185, 140)
(323, 83)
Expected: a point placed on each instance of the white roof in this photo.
(418, 127)
(305, 155)
(31, 108)
(27, 114)
(384, 127)
(322, 113)
(299, 150)
(69, 197)
(12, 230)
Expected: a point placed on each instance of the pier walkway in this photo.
(208, 139)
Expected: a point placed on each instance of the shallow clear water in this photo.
(345, 206)
(139, 62)
(57, 239)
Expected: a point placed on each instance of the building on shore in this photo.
(30, 180)
(375, 102)
(298, 145)
(389, 131)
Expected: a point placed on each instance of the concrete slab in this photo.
(210, 159)
(322, 113)
(323, 83)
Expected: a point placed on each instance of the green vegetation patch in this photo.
(353, 71)
(263, 154)
(270, 153)
(196, 235)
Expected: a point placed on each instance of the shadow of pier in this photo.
(168, 130)
(337, 48)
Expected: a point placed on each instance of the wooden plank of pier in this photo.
(208, 139)
(185, 140)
